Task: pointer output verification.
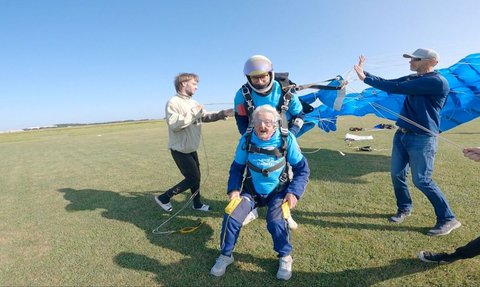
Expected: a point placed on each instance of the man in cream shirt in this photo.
(184, 116)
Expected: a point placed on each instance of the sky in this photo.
(90, 61)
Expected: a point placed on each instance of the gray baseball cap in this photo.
(423, 53)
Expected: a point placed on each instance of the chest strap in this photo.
(273, 152)
(266, 171)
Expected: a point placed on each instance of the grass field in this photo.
(77, 209)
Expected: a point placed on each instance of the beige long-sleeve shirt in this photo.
(184, 119)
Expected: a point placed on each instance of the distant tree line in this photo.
(81, 124)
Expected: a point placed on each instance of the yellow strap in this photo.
(192, 228)
(285, 210)
(232, 205)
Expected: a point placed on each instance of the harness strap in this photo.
(284, 135)
(249, 187)
(248, 100)
(266, 171)
(253, 148)
(283, 108)
(282, 104)
(248, 137)
(249, 131)
(285, 100)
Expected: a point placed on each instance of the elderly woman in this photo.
(261, 165)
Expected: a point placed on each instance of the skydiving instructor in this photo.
(415, 141)
(262, 89)
(184, 116)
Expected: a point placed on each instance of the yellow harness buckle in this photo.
(285, 210)
(232, 205)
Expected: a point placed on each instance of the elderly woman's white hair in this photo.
(266, 109)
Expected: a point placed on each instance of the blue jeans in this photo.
(418, 152)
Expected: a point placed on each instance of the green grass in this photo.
(77, 209)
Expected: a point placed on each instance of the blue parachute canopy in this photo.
(462, 104)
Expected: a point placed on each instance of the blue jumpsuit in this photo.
(273, 98)
(261, 190)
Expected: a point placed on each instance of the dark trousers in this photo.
(190, 168)
(471, 249)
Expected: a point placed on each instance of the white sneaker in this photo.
(291, 223)
(251, 217)
(166, 206)
(285, 268)
(221, 265)
(203, 208)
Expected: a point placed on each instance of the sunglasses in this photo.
(418, 59)
(267, 123)
(259, 77)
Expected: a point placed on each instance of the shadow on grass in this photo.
(330, 165)
(315, 218)
(140, 210)
(362, 277)
(369, 276)
(197, 258)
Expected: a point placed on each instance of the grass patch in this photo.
(77, 209)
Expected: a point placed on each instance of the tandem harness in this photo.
(288, 87)
(280, 152)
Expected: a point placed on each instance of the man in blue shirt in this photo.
(415, 142)
(260, 166)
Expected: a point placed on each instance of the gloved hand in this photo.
(294, 129)
(224, 114)
(227, 113)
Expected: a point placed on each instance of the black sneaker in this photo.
(430, 257)
(399, 217)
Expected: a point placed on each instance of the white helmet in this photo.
(258, 65)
